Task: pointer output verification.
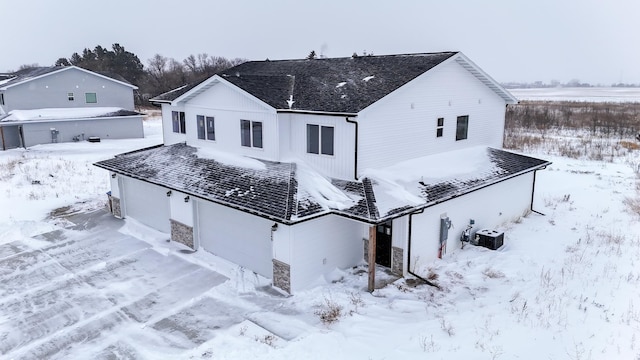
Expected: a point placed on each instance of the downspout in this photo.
(409, 253)
(533, 189)
(21, 134)
(355, 160)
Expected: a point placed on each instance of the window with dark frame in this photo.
(91, 98)
(178, 122)
(70, 96)
(211, 129)
(1, 99)
(320, 139)
(251, 133)
(462, 127)
(201, 126)
(440, 127)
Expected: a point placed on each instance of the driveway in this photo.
(89, 291)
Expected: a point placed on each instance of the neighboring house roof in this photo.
(29, 74)
(58, 114)
(339, 85)
(289, 193)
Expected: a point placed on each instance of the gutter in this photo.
(311, 112)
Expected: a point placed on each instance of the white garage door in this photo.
(236, 236)
(147, 203)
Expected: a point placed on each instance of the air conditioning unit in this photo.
(491, 239)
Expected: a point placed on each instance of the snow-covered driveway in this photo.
(88, 284)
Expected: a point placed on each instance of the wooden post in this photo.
(5, 148)
(372, 258)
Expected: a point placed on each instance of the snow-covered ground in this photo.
(566, 285)
(583, 94)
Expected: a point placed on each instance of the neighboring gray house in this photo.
(34, 101)
(296, 168)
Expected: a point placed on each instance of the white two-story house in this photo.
(294, 168)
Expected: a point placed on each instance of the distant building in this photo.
(44, 105)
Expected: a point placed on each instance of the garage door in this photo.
(236, 236)
(147, 203)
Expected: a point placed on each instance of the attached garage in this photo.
(147, 203)
(236, 236)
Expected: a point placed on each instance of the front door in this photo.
(383, 244)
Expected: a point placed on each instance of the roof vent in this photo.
(290, 101)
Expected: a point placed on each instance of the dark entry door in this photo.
(383, 244)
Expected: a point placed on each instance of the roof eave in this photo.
(314, 112)
(65, 69)
(483, 77)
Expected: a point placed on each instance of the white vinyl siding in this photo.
(293, 143)
(425, 227)
(228, 105)
(399, 126)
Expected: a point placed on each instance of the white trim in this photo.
(65, 69)
(487, 80)
(210, 82)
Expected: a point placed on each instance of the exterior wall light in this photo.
(113, 176)
(169, 193)
(186, 198)
(274, 227)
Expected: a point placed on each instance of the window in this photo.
(440, 127)
(91, 98)
(71, 97)
(462, 127)
(206, 126)
(178, 121)
(211, 130)
(200, 121)
(251, 133)
(319, 139)
(1, 99)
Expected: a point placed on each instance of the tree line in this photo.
(160, 75)
(604, 119)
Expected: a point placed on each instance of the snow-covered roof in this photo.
(335, 85)
(65, 114)
(292, 192)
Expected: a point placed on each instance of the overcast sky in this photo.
(595, 41)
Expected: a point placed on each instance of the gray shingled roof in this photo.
(275, 193)
(30, 73)
(342, 85)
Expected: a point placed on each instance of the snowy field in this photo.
(82, 285)
(593, 94)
